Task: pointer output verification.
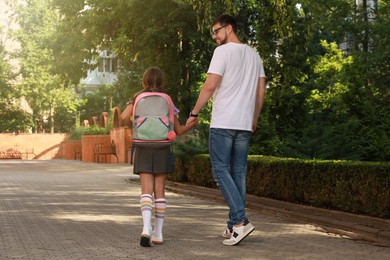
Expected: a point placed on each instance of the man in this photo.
(236, 80)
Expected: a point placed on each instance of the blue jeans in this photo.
(229, 158)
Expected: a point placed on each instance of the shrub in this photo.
(93, 130)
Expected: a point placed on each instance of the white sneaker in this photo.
(157, 240)
(239, 234)
(227, 233)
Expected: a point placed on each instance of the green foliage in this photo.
(199, 171)
(323, 141)
(326, 108)
(141, 34)
(357, 187)
(65, 111)
(78, 36)
(5, 74)
(322, 102)
(101, 100)
(96, 130)
(40, 85)
(125, 87)
(64, 120)
(13, 119)
(92, 130)
(265, 141)
(76, 133)
(188, 148)
(167, 37)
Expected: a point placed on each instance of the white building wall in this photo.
(103, 74)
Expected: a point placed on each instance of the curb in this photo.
(354, 226)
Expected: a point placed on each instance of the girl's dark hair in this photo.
(152, 81)
(225, 19)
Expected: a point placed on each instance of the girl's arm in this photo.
(181, 129)
(126, 114)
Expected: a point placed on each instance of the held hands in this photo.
(181, 129)
(192, 118)
(191, 122)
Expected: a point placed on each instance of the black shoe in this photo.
(145, 241)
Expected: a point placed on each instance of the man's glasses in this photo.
(214, 32)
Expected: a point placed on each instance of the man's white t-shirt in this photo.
(234, 100)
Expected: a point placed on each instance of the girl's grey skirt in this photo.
(153, 158)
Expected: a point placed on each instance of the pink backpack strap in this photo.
(171, 107)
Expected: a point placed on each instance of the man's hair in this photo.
(225, 19)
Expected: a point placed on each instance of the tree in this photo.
(12, 118)
(5, 71)
(329, 132)
(141, 34)
(292, 33)
(321, 102)
(368, 78)
(40, 85)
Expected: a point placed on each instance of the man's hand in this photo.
(192, 121)
(254, 126)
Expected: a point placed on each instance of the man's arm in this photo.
(260, 95)
(210, 85)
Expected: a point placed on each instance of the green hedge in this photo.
(92, 130)
(357, 187)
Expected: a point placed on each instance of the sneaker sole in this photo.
(245, 235)
(157, 242)
(145, 241)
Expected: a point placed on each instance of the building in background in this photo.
(104, 74)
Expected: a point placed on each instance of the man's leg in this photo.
(227, 171)
(239, 161)
(220, 144)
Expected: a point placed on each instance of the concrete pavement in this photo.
(72, 210)
(355, 226)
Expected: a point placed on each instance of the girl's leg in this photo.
(160, 206)
(147, 183)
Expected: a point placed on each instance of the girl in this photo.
(152, 163)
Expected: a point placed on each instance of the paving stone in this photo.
(59, 209)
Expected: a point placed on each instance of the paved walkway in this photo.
(72, 210)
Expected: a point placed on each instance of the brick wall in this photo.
(45, 146)
(56, 146)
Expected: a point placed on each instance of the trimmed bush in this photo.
(350, 186)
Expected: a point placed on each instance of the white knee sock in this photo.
(146, 211)
(159, 209)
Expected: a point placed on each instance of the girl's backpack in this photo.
(153, 118)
